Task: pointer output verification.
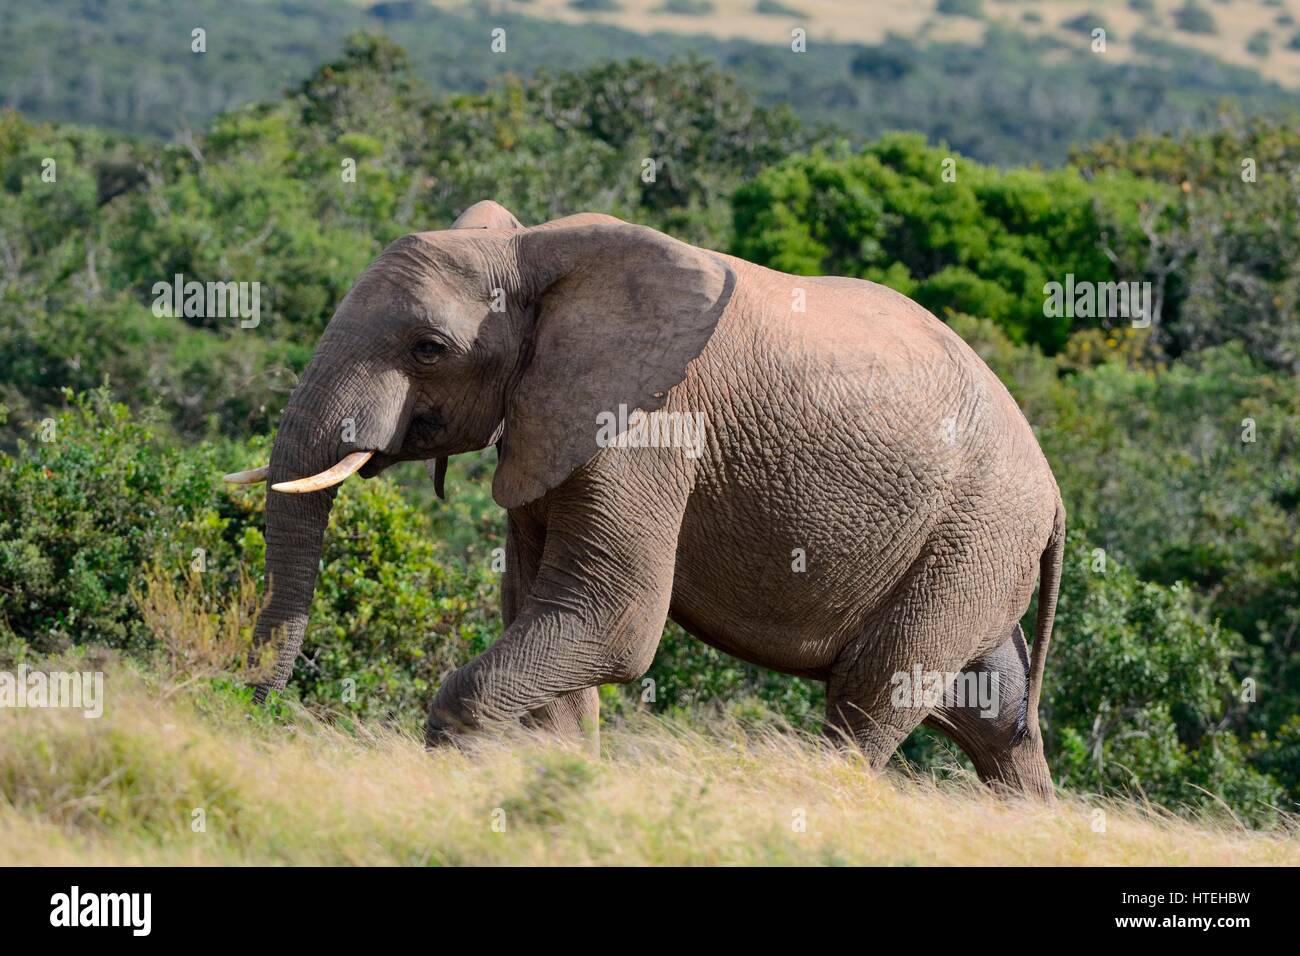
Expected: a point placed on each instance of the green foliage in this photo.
(690, 676)
(1191, 17)
(572, 141)
(1211, 222)
(86, 516)
(1232, 242)
(86, 507)
(1197, 482)
(266, 197)
(961, 8)
(949, 232)
(971, 95)
(688, 8)
(391, 616)
(1141, 685)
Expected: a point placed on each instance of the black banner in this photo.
(334, 906)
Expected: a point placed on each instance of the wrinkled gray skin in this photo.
(869, 499)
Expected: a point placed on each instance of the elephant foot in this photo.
(444, 729)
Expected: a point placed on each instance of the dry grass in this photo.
(197, 637)
(124, 790)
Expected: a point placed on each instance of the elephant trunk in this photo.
(307, 443)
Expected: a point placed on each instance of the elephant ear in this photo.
(620, 311)
(484, 214)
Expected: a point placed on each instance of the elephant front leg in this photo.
(573, 715)
(548, 665)
(593, 616)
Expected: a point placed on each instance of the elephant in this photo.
(813, 475)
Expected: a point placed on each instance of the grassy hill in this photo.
(178, 775)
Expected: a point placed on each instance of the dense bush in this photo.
(87, 517)
(264, 197)
(1232, 242)
(1142, 685)
(86, 507)
(942, 229)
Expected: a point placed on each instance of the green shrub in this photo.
(86, 516)
(774, 8)
(1140, 684)
(947, 231)
(1191, 17)
(86, 507)
(689, 8)
(961, 8)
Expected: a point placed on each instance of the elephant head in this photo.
(453, 340)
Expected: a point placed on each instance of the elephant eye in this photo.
(426, 350)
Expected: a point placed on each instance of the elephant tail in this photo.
(1049, 585)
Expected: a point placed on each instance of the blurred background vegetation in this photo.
(1174, 673)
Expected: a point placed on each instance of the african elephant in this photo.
(814, 475)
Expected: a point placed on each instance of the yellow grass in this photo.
(125, 789)
(869, 21)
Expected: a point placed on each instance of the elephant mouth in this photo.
(378, 462)
(420, 443)
(422, 436)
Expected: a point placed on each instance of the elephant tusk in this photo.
(254, 476)
(327, 478)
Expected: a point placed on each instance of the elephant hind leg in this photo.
(925, 661)
(853, 722)
(877, 693)
(988, 719)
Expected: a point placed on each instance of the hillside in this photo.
(178, 775)
(1136, 29)
(1003, 89)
